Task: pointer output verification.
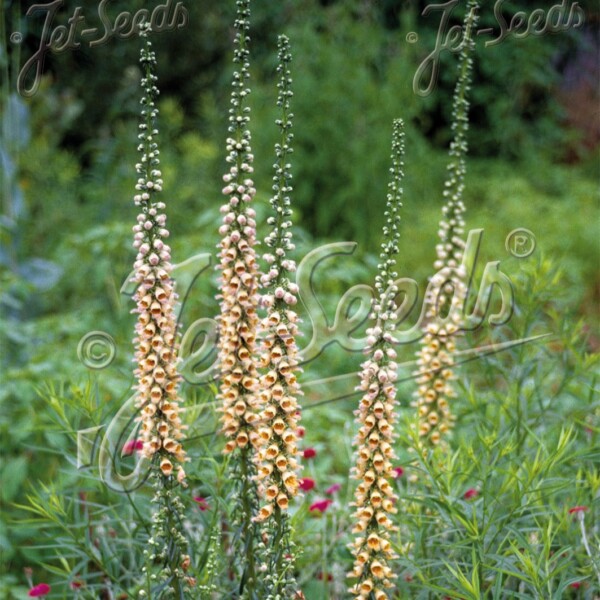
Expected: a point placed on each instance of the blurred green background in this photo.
(67, 156)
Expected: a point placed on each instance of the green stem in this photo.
(281, 545)
(248, 527)
(174, 555)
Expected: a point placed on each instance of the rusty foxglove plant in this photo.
(238, 319)
(446, 294)
(157, 393)
(374, 498)
(277, 463)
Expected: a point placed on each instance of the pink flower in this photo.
(336, 487)
(310, 453)
(320, 506)
(471, 493)
(577, 509)
(398, 472)
(300, 432)
(575, 585)
(307, 484)
(202, 503)
(131, 446)
(41, 589)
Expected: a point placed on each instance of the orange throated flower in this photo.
(156, 329)
(374, 497)
(238, 321)
(277, 464)
(447, 290)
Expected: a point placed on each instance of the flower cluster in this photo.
(156, 356)
(155, 297)
(374, 496)
(446, 293)
(434, 376)
(277, 465)
(238, 320)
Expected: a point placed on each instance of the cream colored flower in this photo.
(446, 294)
(239, 297)
(374, 496)
(156, 329)
(280, 412)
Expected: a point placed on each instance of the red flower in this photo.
(576, 585)
(202, 503)
(398, 472)
(328, 575)
(307, 484)
(41, 589)
(577, 509)
(321, 505)
(471, 493)
(310, 453)
(76, 584)
(300, 432)
(336, 487)
(131, 446)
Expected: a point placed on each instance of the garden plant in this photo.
(303, 419)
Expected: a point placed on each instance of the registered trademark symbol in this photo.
(412, 37)
(520, 243)
(16, 37)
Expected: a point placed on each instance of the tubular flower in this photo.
(374, 495)
(156, 355)
(278, 469)
(155, 297)
(447, 289)
(238, 320)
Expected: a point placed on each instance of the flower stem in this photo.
(248, 583)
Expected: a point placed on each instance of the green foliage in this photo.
(528, 447)
(526, 444)
(529, 415)
(347, 93)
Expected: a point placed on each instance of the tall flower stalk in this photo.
(374, 495)
(447, 290)
(157, 394)
(238, 320)
(277, 464)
